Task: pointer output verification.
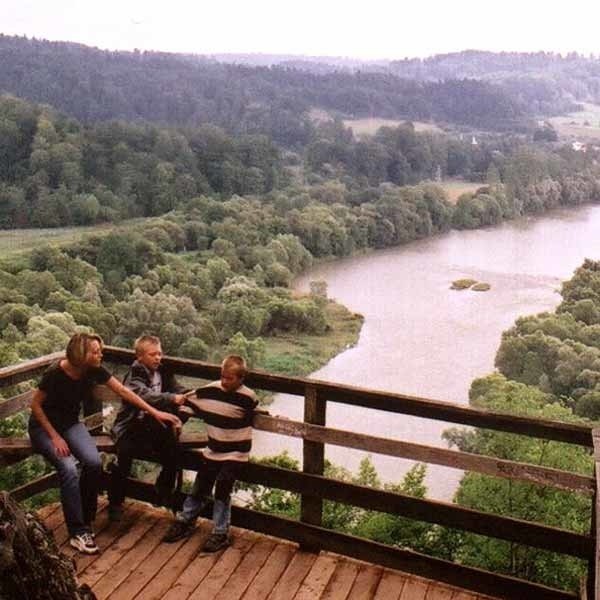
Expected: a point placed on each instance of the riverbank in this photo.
(301, 354)
(421, 338)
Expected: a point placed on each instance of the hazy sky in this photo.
(369, 29)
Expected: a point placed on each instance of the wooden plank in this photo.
(342, 580)
(366, 583)
(397, 403)
(107, 536)
(465, 596)
(117, 551)
(313, 453)
(190, 578)
(391, 586)
(165, 579)
(27, 369)
(43, 512)
(318, 577)
(145, 571)
(407, 561)
(443, 513)
(414, 589)
(293, 576)
(15, 404)
(593, 576)
(437, 591)
(270, 573)
(450, 458)
(127, 565)
(247, 570)
(228, 562)
(41, 484)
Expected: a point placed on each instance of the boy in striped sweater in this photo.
(227, 407)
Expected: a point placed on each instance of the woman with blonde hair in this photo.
(58, 435)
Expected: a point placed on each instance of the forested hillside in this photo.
(55, 171)
(93, 85)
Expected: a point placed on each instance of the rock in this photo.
(31, 565)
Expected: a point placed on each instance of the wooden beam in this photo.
(313, 455)
(15, 404)
(440, 456)
(36, 486)
(397, 403)
(430, 511)
(27, 369)
(593, 587)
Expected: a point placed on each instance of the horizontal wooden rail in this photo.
(470, 578)
(15, 404)
(396, 403)
(41, 484)
(27, 370)
(442, 513)
(450, 458)
(431, 511)
(15, 449)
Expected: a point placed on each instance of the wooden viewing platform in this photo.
(327, 562)
(133, 563)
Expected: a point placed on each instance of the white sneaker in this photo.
(84, 543)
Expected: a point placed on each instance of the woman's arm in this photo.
(60, 446)
(163, 417)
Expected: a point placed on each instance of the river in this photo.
(421, 338)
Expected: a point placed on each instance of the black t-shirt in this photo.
(65, 395)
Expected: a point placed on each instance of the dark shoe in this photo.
(177, 531)
(216, 541)
(115, 512)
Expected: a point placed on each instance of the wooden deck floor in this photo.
(133, 563)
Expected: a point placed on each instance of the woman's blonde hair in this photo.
(78, 347)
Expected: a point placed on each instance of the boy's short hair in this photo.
(144, 340)
(78, 346)
(234, 361)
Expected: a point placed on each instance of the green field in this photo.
(15, 241)
(298, 354)
(371, 125)
(454, 188)
(580, 125)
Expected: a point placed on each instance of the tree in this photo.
(521, 500)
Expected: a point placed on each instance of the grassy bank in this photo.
(297, 354)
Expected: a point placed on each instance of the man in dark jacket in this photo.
(134, 433)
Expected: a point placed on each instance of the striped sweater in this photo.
(228, 417)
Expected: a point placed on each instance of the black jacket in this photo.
(138, 379)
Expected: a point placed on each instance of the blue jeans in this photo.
(78, 493)
(220, 475)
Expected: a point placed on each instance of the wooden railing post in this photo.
(313, 453)
(593, 587)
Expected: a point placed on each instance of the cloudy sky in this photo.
(370, 29)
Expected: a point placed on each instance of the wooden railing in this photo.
(313, 487)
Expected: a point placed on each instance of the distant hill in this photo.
(95, 85)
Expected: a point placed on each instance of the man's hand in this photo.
(60, 446)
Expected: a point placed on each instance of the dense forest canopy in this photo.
(91, 85)
(56, 171)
